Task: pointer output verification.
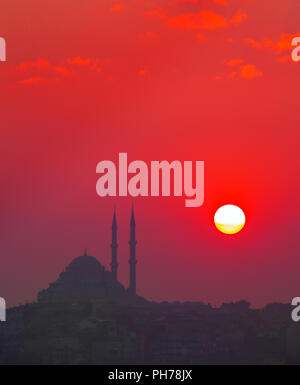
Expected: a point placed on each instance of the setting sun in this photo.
(229, 219)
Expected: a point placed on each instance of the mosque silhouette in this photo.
(86, 278)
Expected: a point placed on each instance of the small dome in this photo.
(85, 263)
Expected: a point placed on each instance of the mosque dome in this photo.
(85, 264)
(85, 277)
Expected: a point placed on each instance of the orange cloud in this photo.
(284, 59)
(30, 81)
(284, 43)
(43, 70)
(63, 71)
(143, 72)
(39, 64)
(88, 62)
(232, 75)
(278, 47)
(249, 71)
(234, 62)
(203, 20)
(245, 71)
(253, 43)
(159, 13)
(201, 37)
(238, 18)
(117, 8)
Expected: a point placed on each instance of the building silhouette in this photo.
(114, 249)
(132, 259)
(87, 279)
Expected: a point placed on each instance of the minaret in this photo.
(114, 248)
(132, 260)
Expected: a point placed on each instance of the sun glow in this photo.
(229, 219)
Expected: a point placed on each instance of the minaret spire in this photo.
(132, 260)
(114, 247)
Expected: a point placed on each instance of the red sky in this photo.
(190, 80)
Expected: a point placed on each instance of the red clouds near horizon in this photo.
(189, 80)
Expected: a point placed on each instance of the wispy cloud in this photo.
(42, 70)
